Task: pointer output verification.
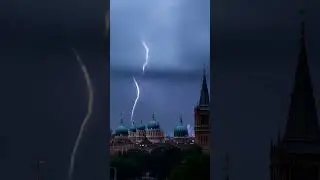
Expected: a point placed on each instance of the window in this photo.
(204, 120)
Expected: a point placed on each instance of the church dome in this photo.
(121, 129)
(133, 128)
(181, 130)
(141, 127)
(153, 124)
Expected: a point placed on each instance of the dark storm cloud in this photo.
(173, 30)
(158, 74)
(177, 33)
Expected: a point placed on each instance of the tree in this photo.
(164, 159)
(126, 168)
(193, 167)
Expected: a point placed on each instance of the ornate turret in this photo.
(302, 119)
(121, 129)
(153, 123)
(153, 131)
(180, 130)
(133, 128)
(141, 126)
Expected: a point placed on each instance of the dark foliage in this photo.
(163, 162)
(196, 166)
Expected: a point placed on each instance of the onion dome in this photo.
(153, 124)
(121, 129)
(181, 130)
(133, 128)
(141, 126)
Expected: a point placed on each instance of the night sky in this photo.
(43, 95)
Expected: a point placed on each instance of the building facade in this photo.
(202, 124)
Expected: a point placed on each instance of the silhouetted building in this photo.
(296, 156)
(202, 125)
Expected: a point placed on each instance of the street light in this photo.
(114, 172)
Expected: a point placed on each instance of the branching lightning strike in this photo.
(136, 83)
(87, 117)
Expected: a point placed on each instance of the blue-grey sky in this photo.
(178, 36)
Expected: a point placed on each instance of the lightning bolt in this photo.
(135, 81)
(147, 56)
(137, 98)
(86, 118)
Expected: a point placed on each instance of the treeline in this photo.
(165, 162)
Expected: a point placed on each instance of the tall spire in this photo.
(302, 119)
(121, 118)
(204, 96)
(181, 123)
(153, 116)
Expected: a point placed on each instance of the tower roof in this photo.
(302, 121)
(153, 123)
(121, 129)
(204, 95)
(141, 126)
(180, 130)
